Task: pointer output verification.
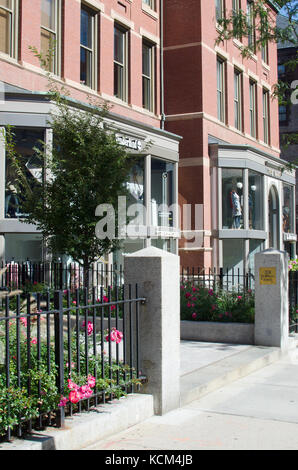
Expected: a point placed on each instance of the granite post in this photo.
(271, 299)
(157, 274)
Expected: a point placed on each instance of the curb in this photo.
(84, 429)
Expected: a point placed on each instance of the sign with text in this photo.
(267, 276)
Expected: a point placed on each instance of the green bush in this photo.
(202, 304)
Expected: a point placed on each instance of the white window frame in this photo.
(150, 3)
(266, 130)
(238, 98)
(92, 50)
(13, 34)
(151, 77)
(253, 108)
(57, 38)
(124, 64)
(221, 89)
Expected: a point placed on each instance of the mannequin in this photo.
(236, 209)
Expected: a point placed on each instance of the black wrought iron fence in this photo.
(66, 352)
(293, 301)
(30, 276)
(233, 279)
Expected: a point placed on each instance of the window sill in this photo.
(149, 11)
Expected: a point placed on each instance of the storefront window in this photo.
(233, 253)
(255, 246)
(162, 192)
(23, 247)
(288, 204)
(232, 198)
(27, 141)
(136, 189)
(255, 201)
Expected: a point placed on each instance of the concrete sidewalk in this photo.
(205, 368)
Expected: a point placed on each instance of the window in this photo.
(282, 112)
(219, 9)
(162, 192)
(88, 60)
(288, 209)
(253, 108)
(264, 50)
(49, 34)
(266, 116)
(251, 25)
(255, 200)
(220, 90)
(238, 100)
(232, 198)
(8, 20)
(148, 76)
(120, 63)
(150, 3)
(26, 142)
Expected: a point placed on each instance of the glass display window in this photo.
(162, 192)
(27, 144)
(255, 200)
(232, 198)
(288, 209)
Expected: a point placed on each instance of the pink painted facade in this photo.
(140, 21)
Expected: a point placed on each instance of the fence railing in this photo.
(293, 301)
(58, 275)
(233, 279)
(64, 353)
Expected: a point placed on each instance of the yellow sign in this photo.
(267, 276)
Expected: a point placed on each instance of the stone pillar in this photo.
(157, 274)
(271, 299)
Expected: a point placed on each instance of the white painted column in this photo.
(157, 274)
(271, 299)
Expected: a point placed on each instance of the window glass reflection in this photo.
(288, 204)
(162, 192)
(28, 141)
(255, 201)
(232, 198)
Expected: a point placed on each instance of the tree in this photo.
(85, 167)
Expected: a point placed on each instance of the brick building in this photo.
(222, 106)
(102, 49)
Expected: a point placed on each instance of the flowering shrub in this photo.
(206, 304)
(293, 265)
(17, 406)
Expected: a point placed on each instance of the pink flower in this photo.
(74, 302)
(188, 304)
(113, 307)
(91, 381)
(34, 341)
(23, 321)
(72, 385)
(194, 289)
(105, 299)
(115, 335)
(85, 391)
(187, 295)
(63, 401)
(213, 307)
(210, 291)
(89, 327)
(239, 297)
(194, 315)
(74, 396)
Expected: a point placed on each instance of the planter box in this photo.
(217, 332)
